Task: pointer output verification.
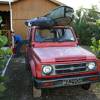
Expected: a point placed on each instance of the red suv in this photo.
(55, 59)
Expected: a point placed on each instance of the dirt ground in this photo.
(19, 86)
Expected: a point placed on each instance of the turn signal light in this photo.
(93, 78)
(47, 84)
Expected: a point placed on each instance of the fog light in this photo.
(47, 84)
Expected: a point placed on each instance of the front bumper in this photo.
(68, 81)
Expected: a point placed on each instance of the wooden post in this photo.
(11, 24)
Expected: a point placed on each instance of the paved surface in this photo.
(19, 86)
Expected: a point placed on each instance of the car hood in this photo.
(63, 54)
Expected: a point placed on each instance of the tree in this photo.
(85, 24)
(95, 47)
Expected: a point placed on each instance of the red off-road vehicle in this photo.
(55, 59)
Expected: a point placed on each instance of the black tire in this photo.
(86, 86)
(37, 93)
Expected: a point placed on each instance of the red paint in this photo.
(48, 84)
(98, 64)
(93, 79)
(56, 53)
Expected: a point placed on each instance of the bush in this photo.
(85, 24)
(95, 47)
(4, 52)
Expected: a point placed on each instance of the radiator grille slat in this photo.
(73, 68)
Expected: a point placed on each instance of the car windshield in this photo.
(54, 35)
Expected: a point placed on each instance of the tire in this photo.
(86, 86)
(37, 93)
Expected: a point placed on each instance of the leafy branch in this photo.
(95, 47)
(4, 51)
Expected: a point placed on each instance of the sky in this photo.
(6, 0)
(81, 3)
(76, 4)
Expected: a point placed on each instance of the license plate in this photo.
(72, 82)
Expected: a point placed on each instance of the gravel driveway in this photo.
(19, 86)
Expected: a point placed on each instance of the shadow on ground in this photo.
(19, 86)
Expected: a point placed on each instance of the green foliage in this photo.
(98, 22)
(2, 87)
(85, 24)
(3, 41)
(0, 32)
(4, 52)
(1, 20)
(3, 79)
(95, 47)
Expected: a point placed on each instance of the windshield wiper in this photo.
(65, 40)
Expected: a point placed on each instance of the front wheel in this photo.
(36, 92)
(86, 86)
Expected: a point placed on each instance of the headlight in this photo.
(47, 69)
(91, 65)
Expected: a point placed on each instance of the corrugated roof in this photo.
(8, 0)
(57, 2)
(54, 1)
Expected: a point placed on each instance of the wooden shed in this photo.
(23, 10)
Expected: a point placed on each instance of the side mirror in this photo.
(78, 38)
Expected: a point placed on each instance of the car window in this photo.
(54, 35)
(66, 35)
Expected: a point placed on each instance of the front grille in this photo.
(70, 69)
